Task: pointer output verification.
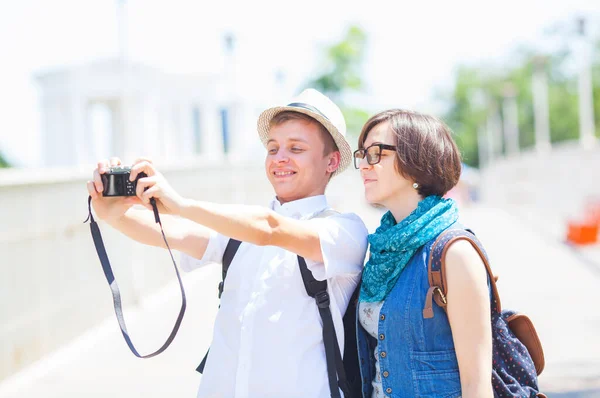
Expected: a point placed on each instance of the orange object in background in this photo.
(585, 230)
(579, 233)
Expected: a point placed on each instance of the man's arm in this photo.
(139, 225)
(252, 224)
(256, 225)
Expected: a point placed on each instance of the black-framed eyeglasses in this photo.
(373, 154)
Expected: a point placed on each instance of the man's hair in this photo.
(326, 137)
(426, 152)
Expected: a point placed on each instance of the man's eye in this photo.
(272, 151)
(296, 149)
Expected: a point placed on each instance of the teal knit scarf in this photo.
(393, 245)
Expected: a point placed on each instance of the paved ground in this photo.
(555, 285)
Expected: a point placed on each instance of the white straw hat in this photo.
(316, 105)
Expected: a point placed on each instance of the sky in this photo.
(413, 47)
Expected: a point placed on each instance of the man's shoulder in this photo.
(348, 219)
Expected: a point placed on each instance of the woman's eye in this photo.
(295, 149)
(272, 151)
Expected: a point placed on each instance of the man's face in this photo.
(295, 163)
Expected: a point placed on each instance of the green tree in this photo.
(466, 114)
(341, 73)
(3, 162)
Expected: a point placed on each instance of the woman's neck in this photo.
(402, 205)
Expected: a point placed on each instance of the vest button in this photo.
(381, 336)
(383, 354)
(386, 373)
(382, 317)
(388, 390)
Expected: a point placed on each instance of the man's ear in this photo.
(334, 161)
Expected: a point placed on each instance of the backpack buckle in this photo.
(322, 299)
(441, 294)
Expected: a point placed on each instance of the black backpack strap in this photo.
(335, 367)
(232, 247)
(230, 250)
(112, 282)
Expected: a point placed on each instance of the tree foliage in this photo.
(341, 73)
(466, 113)
(3, 162)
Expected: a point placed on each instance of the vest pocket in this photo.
(435, 374)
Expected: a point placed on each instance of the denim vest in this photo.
(416, 355)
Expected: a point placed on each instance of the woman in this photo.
(408, 162)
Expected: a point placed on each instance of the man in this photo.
(267, 339)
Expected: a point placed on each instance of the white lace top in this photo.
(368, 316)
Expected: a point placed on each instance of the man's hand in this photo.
(108, 208)
(155, 186)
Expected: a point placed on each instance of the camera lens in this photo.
(114, 185)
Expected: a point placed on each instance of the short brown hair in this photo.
(426, 152)
(282, 117)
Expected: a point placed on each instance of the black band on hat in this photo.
(307, 107)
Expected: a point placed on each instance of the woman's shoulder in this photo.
(464, 263)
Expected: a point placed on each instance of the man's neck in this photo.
(290, 199)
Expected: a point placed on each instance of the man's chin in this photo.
(282, 182)
(288, 192)
(285, 193)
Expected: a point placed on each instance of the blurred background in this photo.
(183, 82)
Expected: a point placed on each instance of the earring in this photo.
(415, 185)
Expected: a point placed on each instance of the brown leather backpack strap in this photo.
(436, 269)
(436, 282)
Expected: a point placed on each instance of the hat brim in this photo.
(264, 120)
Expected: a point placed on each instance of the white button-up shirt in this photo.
(267, 338)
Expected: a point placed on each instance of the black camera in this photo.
(116, 181)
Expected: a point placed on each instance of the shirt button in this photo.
(381, 336)
(383, 354)
(382, 317)
(386, 373)
(388, 390)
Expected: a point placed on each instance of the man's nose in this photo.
(282, 157)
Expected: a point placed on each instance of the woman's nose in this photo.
(364, 164)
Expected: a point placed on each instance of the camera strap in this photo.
(112, 282)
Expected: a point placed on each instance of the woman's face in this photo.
(383, 183)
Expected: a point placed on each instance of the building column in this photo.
(211, 132)
(540, 105)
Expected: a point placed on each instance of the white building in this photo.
(112, 108)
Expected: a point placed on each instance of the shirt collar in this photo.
(300, 209)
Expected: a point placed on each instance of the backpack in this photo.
(518, 357)
(345, 372)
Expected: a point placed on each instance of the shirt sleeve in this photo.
(213, 253)
(343, 240)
